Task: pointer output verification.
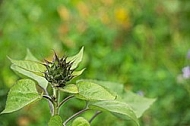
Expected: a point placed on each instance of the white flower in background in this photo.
(186, 72)
(188, 54)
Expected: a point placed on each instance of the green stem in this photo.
(48, 98)
(56, 101)
(50, 101)
(74, 116)
(94, 116)
(65, 100)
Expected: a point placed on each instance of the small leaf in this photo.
(41, 80)
(70, 88)
(92, 91)
(29, 56)
(55, 121)
(80, 121)
(21, 94)
(138, 103)
(76, 59)
(31, 66)
(77, 73)
(115, 107)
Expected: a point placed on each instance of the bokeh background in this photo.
(142, 44)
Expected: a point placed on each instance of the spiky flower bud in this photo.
(58, 71)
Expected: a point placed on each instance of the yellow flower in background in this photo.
(82, 9)
(120, 14)
(64, 13)
(122, 17)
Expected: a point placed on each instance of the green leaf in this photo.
(70, 88)
(115, 107)
(29, 56)
(76, 59)
(77, 73)
(31, 66)
(41, 80)
(138, 103)
(55, 121)
(115, 88)
(21, 94)
(91, 91)
(80, 121)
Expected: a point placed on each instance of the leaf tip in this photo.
(82, 48)
(2, 112)
(5, 111)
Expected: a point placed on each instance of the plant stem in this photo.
(94, 116)
(75, 115)
(50, 101)
(65, 100)
(48, 98)
(56, 101)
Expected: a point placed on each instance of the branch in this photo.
(65, 100)
(94, 116)
(74, 116)
(48, 98)
(50, 101)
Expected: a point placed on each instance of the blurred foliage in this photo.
(142, 44)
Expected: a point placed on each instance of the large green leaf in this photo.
(55, 121)
(115, 88)
(80, 121)
(41, 80)
(138, 103)
(21, 94)
(76, 59)
(70, 88)
(115, 107)
(29, 56)
(92, 91)
(32, 66)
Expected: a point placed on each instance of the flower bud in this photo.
(58, 71)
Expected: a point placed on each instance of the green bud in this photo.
(58, 71)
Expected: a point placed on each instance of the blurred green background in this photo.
(142, 44)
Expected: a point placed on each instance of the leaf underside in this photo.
(138, 103)
(29, 65)
(115, 107)
(76, 59)
(41, 80)
(30, 56)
